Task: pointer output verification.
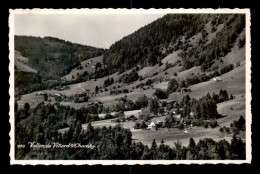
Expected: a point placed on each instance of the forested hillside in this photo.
(150, 44)
(53, 57)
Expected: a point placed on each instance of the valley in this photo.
(179, 79)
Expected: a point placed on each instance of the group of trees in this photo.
(199, 110)
(177, 84)
(27, 82)
(128, 78)
(205, 107)
(108, 81)
(236, 126)
(161, 94)
(239, 125)
(125, 104)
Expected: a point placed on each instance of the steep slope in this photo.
(202, 38)
(21, 63)
(53, 57)
(50, 58)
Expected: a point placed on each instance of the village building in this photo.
(151, 125)
(131, 117)
(159, 123)
(177, 116)
(217, 79)
(40, 93)
(57, 95)
(184, 90)
(192, 115)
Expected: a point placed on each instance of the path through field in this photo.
(81, 87)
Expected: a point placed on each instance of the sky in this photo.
(99, 30)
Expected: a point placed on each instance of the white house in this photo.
(216, 79)
(159, 122)
(57, 94)
(151, 125)
(40, 93)
(177, 116)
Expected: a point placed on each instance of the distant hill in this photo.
(21, 63)
(41, 62)
(53, 57)
(199, 39)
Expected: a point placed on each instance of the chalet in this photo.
(57, 95)
(159, 123)
(40, 93)
(98, 102)
(131, 117)
(95, 103)
(192, 114)
(145, 87)
(87, 91)
(151, 125)
(178, 120)
(217, 79)
(178, 116)
(186, 121)
(184, 90)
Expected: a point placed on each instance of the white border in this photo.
(132, 11)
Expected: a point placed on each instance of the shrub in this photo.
(213, 123)
(206, 124)
(237, 64)
(181, 126)
(241, 43)
(221, 130)
(108, 116)
(173, 85)
(159, 93)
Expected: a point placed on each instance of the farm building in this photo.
(57, 95)
(61, 88)
(40, 93)
(217, 79)
(159, 123)
(178, 120)
(183, 90)
(95, 103)
(151, 125)
(131, 117)
(177, 116)
(192, 114)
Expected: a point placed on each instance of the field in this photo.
(88, 65)
(233, 82)
(21, 63)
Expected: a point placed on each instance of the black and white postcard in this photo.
(130, 86)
